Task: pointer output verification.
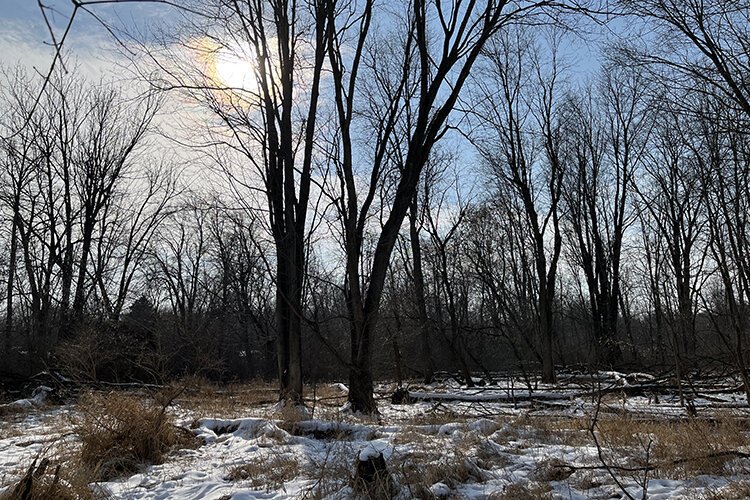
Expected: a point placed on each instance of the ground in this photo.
(602, 435)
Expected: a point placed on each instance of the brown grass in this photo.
(206, 399)
(411, 434)
(735, 490)
(678, 449)
(432, 459)
(120, 433)
(55, 478)
(332, 471)
(269, 473)
(523, 491)
(551, 430)
(327, 399)
(551, 469)
(438, 416)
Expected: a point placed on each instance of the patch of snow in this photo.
(342, 388)
(37, 399)
(373, 449)
(440, 490)
(483, 426)
(210, 429)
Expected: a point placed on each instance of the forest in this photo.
(304, 193)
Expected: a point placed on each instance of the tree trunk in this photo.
(80, 294)
(428, 365)
(547, 326)
(361, 397)
(11, 281)
(288, 326)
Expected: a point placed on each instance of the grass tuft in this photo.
(121, 433)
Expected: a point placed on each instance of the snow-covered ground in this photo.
(507, 440)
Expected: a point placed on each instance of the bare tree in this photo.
(450, 293)
(130, 219)
(102, 160)
(703, 41)
(270, 123)
(725, 171)
(518, 136)
(440, 46)
(18, 166)
(673, 196)
(609, 136)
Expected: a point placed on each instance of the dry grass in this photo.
(551, 469)
(56, 477)
(331, 471)
(206, 399)
(587, 481)
(411, 434)
(429, 459)
(551, 430)
(678, 449)
(11, 411)
(438, 416)
(735, 490)
(523, 491)
(325, 399)
(120, 433)
(269, 473)
(10, 430)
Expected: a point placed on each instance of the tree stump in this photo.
(371, 477)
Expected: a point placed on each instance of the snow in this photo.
(440, 490)
(374, 449)
(341, 387)
(484, 432)
(38, 397)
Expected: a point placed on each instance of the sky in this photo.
(26, 40)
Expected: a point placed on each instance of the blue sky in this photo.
(25, 39)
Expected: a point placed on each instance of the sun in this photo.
(229, 70)
(234, 68)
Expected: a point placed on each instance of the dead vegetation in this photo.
(523, 491)
(677, 449)
(424, 460)
(57, 477)
(331, 471)
(120, 433)
(267, 473)
(206, 399)
(548, 430)
(735, 490)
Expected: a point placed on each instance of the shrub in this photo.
(47, 481)
(120, 433)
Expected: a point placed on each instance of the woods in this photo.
(384, 193)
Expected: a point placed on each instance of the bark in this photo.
(428, 365)
(11, 278)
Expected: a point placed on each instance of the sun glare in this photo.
(230, 70)
(234, 69)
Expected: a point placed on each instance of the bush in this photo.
(48, 481)
(121, 433)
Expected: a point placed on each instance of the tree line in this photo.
(404, 190)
